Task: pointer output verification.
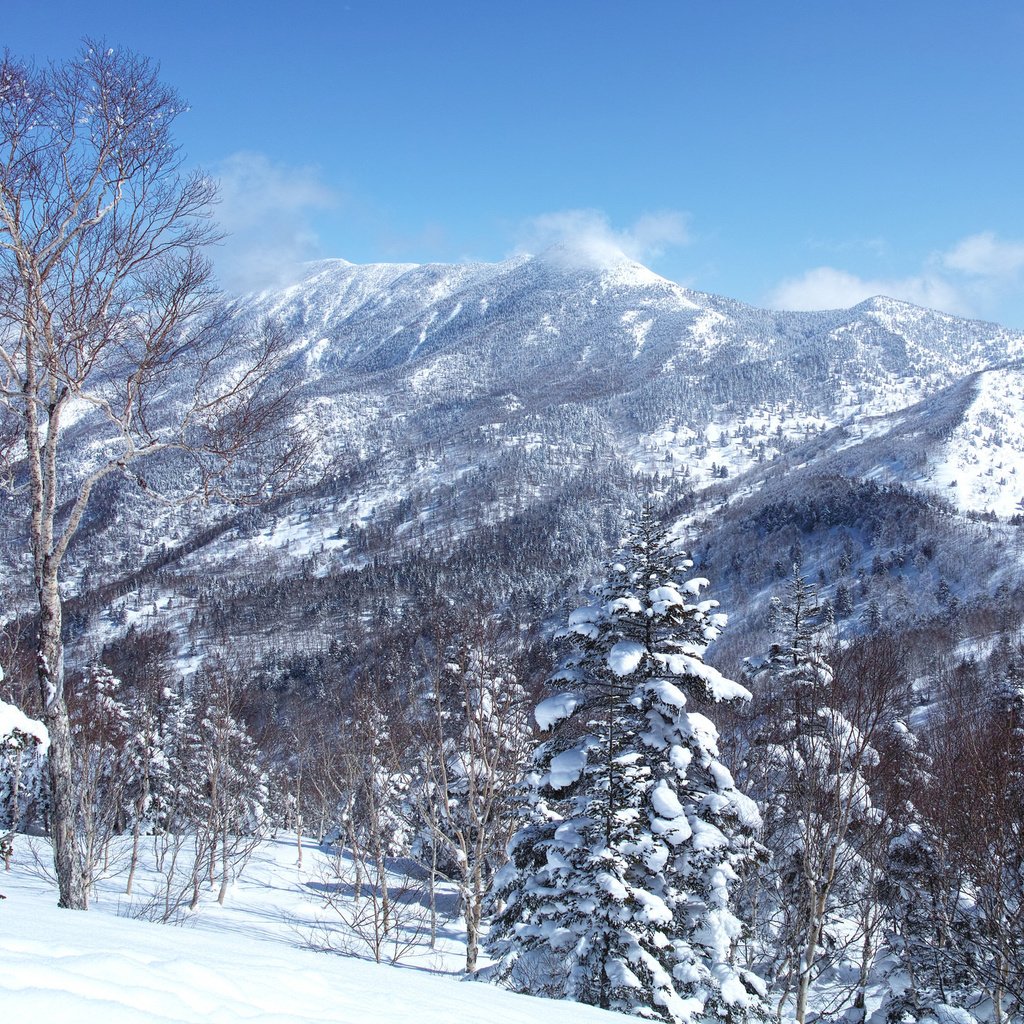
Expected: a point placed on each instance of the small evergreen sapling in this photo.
(23, 745)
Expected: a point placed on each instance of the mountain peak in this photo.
(613, 266)
(580, 254)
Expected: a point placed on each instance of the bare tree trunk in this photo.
(205, 846)
(16, 794)
(998, 990)
(224, 862)
(810, 952)
(169, 907)
(67, 857)
(473, 913)
(140, 809)
(67, 854)
(866, 957)
(433, 892)
(136, 835)
(197, 875)
(357, 859)
(298, 815)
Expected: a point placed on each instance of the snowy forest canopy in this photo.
(826, 834)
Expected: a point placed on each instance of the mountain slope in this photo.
(482, 428)
(249, 961)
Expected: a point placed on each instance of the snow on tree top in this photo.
(695, 585)
(668, 693)
(627, 604)
(663, 598)
(586, 613)
(717, 686)
(625, 657)
(13, 719)
(566, 767)
(665, 801)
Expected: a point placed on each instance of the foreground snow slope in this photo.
(238, 963)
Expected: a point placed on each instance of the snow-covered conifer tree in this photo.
(147, 766)
(233, 792)
(618, 888)
(23, 744)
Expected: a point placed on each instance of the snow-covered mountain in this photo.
(393, 356)
(484, 426)
(536, 330)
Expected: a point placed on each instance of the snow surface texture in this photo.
(242, 962)
(981, 466)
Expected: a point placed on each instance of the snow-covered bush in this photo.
(23, 745)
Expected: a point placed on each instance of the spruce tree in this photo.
(618, 889)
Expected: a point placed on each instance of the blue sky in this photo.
(801, 155)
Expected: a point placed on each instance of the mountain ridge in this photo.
(489, 425)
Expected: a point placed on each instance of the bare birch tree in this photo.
(107, 311)
(477, 741)
(975, 817)
(819, 716)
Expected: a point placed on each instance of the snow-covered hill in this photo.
(248, 961)
(981, 465)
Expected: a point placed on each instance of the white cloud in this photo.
(265, 209)
(588, 235)
(985, 255)
(970, 278)
(830, 288)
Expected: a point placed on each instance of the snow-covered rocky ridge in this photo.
(516, 337)
(492, 355)
(400, 360)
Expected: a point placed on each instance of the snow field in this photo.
(244, 961)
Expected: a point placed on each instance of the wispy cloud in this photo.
(266, 209)
(588, 235)
(986, 255)
(831, 288)
(969, 278)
